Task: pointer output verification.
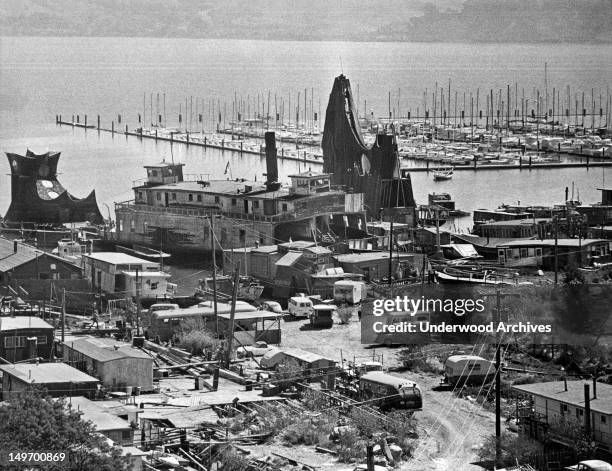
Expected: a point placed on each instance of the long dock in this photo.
(304, 156)
(525, 166)
(197, 139)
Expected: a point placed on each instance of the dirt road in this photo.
(450, 428)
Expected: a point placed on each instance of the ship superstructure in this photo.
(173, 211)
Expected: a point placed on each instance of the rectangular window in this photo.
(14, 342)
(242, 235)
(284, 206)
(158, 196)
(140, 195)
(190, 197)
(173, 196)
(200, 198)
(256, 204)
(603, 419)
(41, 340)
(524, 252)
(120, 225)
(233, 201)
(217, 200)
(132, 226)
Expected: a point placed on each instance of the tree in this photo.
(32, 421)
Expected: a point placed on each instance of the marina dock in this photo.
(207, 140)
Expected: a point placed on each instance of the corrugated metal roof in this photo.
(306, 356)
(119, 258)
(9, 259)
(289, 259)
(101, 418)
(369, 257)
(574, 395)
(252, 315)
(23, 322)
(103, 350)
(45, 373)
(191, 417)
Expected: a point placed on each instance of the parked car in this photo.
(257, 350)
(590, 465)
(300, 306)
(272, 306)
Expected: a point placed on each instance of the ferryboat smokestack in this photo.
(271, 162)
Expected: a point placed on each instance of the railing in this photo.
(312, 209)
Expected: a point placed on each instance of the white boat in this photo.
(443, 173)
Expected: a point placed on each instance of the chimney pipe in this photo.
(587, 410)
(14, 246)
(271, 162)
(594, 387)
(565, 382)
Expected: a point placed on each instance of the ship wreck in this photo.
(37, 197)
(373, 171)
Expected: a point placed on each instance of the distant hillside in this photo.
(351, 20)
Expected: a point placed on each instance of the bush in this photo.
(351, 447)
(514, 448)
(231, 460)
(309, 430)
(345, 314)
(196, 341)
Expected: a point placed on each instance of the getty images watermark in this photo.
(459, 307)
(418, 311)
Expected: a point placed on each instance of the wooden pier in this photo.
(197, 139)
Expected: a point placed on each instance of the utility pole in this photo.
(390, 251)
(437, 211)
(137, 304)
(498, 383)
(230, 329)
(556, 221)
(63, 313)
(211, 222)
(498, 318)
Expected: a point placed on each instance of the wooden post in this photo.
(98, 122)
(370, 457)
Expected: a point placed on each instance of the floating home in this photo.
(541, 253)
(25, 337)
(590, 403)
(59, 379)
(115, 272)
(173, 211)
(117, 364)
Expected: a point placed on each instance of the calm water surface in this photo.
(42, 77)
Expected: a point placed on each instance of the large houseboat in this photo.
(177, 213)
